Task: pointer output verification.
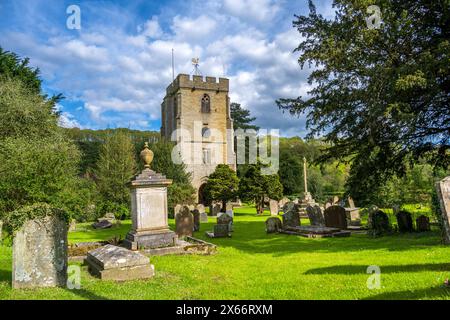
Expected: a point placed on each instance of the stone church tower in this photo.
(196, 114)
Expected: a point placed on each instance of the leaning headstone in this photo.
(184, 222)
(291, 216)
(273, 225)
(423, 224)
(335, 217)
(404, 221)
(273, 206)
(115, 263)
(443, 192)
(379, 223)
(40, 254)
(315, 216)
(196, 215)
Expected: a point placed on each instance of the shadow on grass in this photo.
(250, 236)
(355, 269)
(428, 293)
(6, 276)
(85, 294)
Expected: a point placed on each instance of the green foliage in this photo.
(115, 168)
(14, 67)
(222, 185)
(254, 186)
(120, 210)
(180, 193)
(35, 170)
(380, 96)
(241, 117)
(17, 218)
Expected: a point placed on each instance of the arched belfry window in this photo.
(206, 104)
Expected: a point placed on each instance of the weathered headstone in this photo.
(102, 224)
(229, 206)
(315, 216)
(177, 209)
(203, 215)
(423, 224)
(291, 216)
(226, 218)
(282, 202)
(214, 209)
(335, 217)
(115, 263)
(273, 225)
(40, 254)
(404, 221)
(184, 222)
(273, 206)
(196, 215)
(443, 192)
(379, 223)
(221, 231)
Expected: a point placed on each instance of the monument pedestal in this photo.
(149, 212)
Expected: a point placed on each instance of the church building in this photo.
(196, 115)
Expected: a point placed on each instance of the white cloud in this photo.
(121, 76)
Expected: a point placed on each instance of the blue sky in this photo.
(114, 70)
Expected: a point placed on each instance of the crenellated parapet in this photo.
(184, 81)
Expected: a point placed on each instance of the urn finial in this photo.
(147, 156)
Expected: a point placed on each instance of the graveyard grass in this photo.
(254, 265)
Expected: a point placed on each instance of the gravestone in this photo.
(149, 209)
(115, 263)
(282, 202)
(404, 221)
(177, 209)
(214, 209)
(203, 215)
(423, 224)
(335, 217)
(229, 206)
(196, 215)
(226, 218)
(291, 216)
(40, 254)
(221, 231)
(315, 216)
(273, 225)
(379, 224)
(109, 216)
(443, 192)
(273, 206)
(102, 224)
(370, 212)
(184, 222)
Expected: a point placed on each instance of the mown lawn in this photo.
(254, 265)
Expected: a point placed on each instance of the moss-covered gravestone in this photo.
(291, 216)
(39, 247)
(315, 216)
(404, 221)
(379, 223)
(335, 217)
(273, 225)
(184, 222)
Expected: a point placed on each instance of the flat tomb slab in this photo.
(189, 246)
(316, 232)
(119, 264)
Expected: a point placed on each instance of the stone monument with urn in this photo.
(149, 212)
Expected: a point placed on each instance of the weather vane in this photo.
(196, 64)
